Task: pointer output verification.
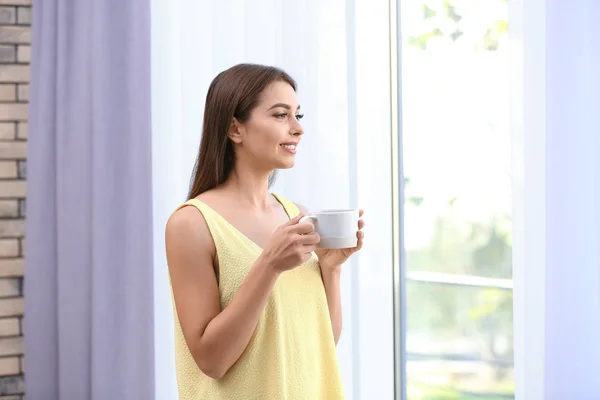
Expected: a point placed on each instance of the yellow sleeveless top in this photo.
(291, 354)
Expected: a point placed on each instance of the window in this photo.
(457, 222)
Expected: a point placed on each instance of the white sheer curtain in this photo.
(338, 51)
(556, 59)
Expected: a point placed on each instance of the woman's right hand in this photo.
(291, 245)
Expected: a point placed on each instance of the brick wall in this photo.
(15, 35)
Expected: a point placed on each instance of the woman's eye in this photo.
(285, 115)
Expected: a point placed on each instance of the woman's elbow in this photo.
(212, 367)
(212, 371)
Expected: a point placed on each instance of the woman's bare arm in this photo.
(215, 338)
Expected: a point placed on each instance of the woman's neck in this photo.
(250, 187)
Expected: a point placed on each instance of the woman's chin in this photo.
(287, 164)
(285, 161)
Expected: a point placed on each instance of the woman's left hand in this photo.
(334, 258)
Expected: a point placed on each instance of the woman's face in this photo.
(270, 136)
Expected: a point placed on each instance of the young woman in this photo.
(257, 305)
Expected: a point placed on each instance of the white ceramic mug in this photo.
(337, 228)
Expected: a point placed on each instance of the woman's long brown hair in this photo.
(235, 92)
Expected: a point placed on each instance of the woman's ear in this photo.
(235, 133)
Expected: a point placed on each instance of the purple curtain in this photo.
(88, 275)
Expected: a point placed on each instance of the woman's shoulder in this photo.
(192, 219)
(186, 221)
(187, 233)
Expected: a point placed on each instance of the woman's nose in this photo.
(296, 129)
